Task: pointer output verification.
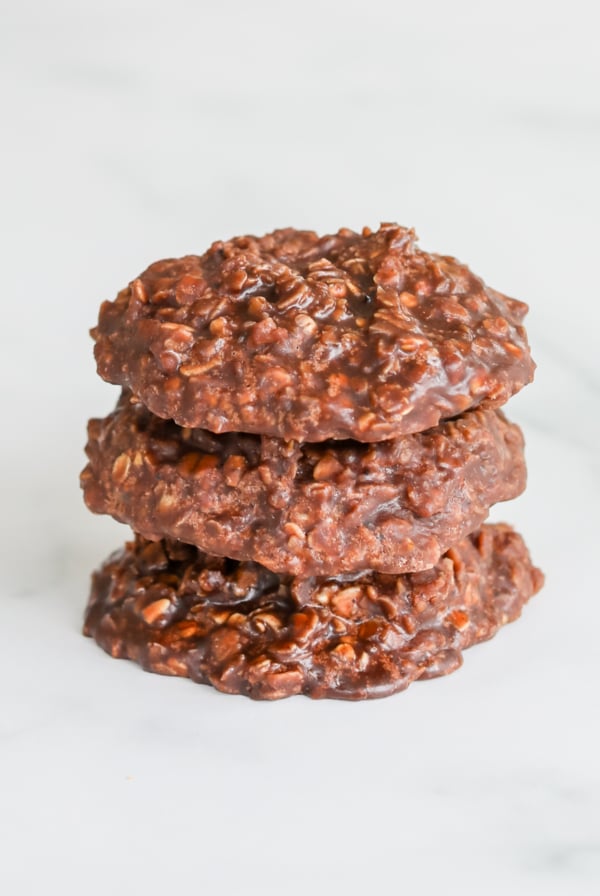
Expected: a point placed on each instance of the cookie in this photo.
(309, 338)
(309, 509)
(246, 630)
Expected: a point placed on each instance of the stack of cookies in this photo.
(307, 444)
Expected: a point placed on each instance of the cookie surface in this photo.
(308, 509)
(302, 337)
(248, 631)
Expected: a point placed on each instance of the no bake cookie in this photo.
(296, 336)
(246, 630)
(308, 509)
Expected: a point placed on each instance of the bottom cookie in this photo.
(246, 630)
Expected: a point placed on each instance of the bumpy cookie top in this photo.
(297, 336)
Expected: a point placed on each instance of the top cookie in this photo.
(303, 337)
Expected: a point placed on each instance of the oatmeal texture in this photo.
(308, 338)
(246, 630)
(306, 509)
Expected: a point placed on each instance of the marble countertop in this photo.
(134, 131)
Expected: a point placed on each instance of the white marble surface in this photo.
(137, 130)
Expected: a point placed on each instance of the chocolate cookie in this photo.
(308, 509)
(246, 630)
(303, 337)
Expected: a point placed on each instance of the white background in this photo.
(133, 131)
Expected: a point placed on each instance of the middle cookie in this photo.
(311, 509)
